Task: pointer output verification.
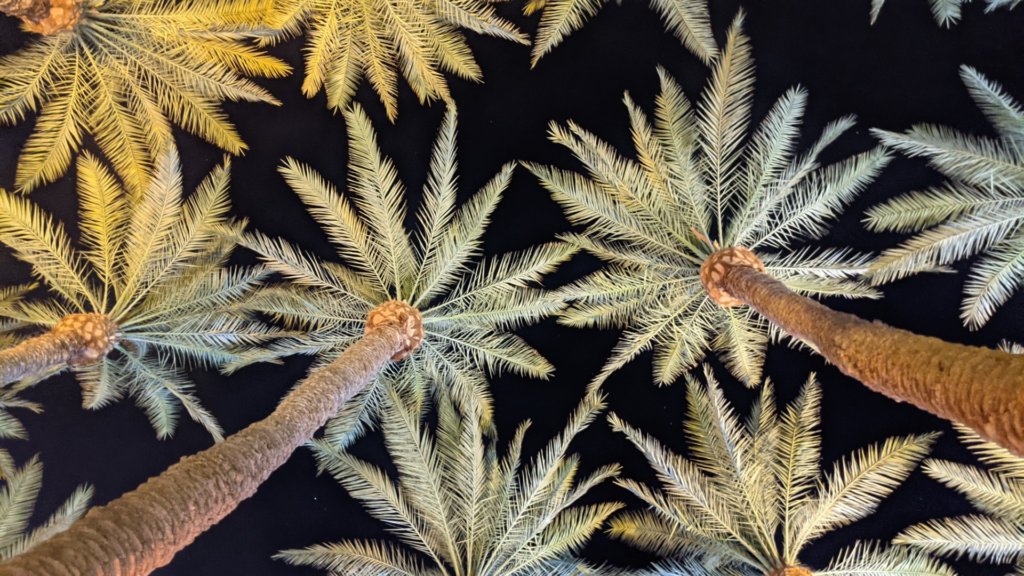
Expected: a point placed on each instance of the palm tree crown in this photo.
(751, 494)
(467, 510)
(697, 184)
(127, 71)
(468, 308)
(155, 268)
(980, 211)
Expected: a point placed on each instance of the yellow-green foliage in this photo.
(125, 74)
(380, 39)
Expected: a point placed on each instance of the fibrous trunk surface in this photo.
(77, 339)
(44, 16)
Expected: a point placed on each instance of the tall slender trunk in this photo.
(75, 340)
(979, 387)
(44, 16)
(143, 529)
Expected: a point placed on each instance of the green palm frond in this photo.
(751, 495)
(981, 211)
(997, 491)
(697, 182)
(459, 505)
(124, 74)
(383, 39)
(18, 494)
(948, 12)
(469, 308)
(687, 19)
(156, 267)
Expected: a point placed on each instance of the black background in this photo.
(899, 72)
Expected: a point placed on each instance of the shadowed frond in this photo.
(469, 307)
(460, 505)
(948, 12)
(382, 39)
(124, 74)
(697, 183)
(750, 496)
(981, 211)
(156, 268)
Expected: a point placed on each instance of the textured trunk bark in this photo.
(979, 387)
(791, 571)
(75, 340)
(143, 529)
(44, 16)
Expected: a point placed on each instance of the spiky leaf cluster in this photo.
(10, 427)
(751, 494)
(687, 19)
(18, 494)
(997, 491)
(981, 211)
(469, 308)
(697, 182)
(458, 505)
(127, 72)
(382, 39)
(948, 12)
(156, 268)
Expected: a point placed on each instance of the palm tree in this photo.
(467, 314)
(654, 218)
(124, 71)
(980, 211)
(751, 495)
(380, 39)
(948, 12)
(18, 495)
(148, 295)
(996, 535)
(687, 19)
(469, 512)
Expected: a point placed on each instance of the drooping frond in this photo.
(699, 180)
(981, 211)
(125, 74)
(750, 494)
(870, 559)
(461, 506)
(469, 307)
(382, 39)
(947, 12)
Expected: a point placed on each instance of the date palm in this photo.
(751, 495)
(947, 12)
(147, 295)
(382, 39)
(123, 72)
(997, 534)
(981, 211)
(459, 505)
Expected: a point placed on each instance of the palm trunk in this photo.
(791, 571)
(143, 529)
(979, 387)
(44, 16)
(75, 340)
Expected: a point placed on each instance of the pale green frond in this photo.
(797, 458)
(946, 12)
(31, 71)
(103, 214)
(17, 499)
(558, 19)
(871, 559)
(690, 22)
(684, 345)
(1005, 113)
(922, 209)
(741, 340)
(566, 534)
(822, 272)
(498, 352)
(99, 384)
(358, 558)
(989, 492)
(161, 390)
(1001, 460)
(976, 537)
(70, 511)
(994, 279)
(653, 533)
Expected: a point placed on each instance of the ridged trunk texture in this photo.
(143, 529)
(44, 16)
(979, 387)
(791, 571)
(75, 340)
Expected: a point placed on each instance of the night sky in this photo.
(901, 71)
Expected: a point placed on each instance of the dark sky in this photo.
(901, 71)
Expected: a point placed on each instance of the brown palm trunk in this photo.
(791, 571)
(75, 340)
(143, 529)
(44, 16)
(979, 387)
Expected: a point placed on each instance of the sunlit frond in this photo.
(947, 12)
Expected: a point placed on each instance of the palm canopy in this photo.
(380, 39)
(980, 212)
(947, 12)
(459, 506)
(155, 267)
(125, 73)
(698, 183)
(751, 495)
(469, 308)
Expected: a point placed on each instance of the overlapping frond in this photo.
(382, 39)
(125, 74)
(697, 182)
(459, 504)
(469, 307)
(947, 12)
(155, 265)
(751, 494)
(981, 211)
